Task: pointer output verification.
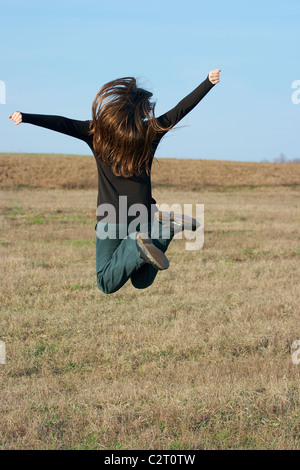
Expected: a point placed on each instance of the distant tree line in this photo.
(282, 159)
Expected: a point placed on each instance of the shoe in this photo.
(150, 253)
(177, 222)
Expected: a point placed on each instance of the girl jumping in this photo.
(123, 136)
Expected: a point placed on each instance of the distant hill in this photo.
(69, 172)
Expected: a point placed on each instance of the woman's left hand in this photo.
(214, 76)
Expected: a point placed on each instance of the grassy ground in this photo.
(79, 172)
(200, 360)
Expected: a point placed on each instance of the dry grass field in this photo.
(79, 172)
(200, 360)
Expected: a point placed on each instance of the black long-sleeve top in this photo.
(110, 186)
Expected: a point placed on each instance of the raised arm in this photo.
(71, 127)
(172, 117)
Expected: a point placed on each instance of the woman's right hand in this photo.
(16, 117)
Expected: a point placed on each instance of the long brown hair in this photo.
(124, 127)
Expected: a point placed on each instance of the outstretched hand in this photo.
(16, 117)
(214, 76)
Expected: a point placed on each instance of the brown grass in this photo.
(79, 172)
(200, 360)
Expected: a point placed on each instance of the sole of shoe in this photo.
(150, 253)
(178, 220)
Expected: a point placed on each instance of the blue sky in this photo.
(56, 55)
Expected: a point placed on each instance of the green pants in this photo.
(118, 259)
